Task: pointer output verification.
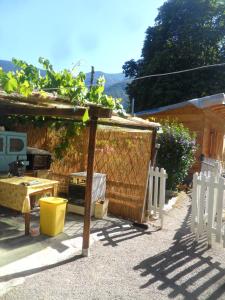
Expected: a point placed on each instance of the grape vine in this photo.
(28, 79)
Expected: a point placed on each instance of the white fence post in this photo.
(201, 203)
(211, 212)
(194, 203)
(162, 193)
(157, 192)
(150, 190)
(219, 209)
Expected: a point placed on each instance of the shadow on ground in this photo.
(14, 245)
(114, 235)
(185, 270)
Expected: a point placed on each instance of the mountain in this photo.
(115, 83)
(110, 78)
(7, 65)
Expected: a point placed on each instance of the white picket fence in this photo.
(211, 165)
(208, 206)
(156, 192)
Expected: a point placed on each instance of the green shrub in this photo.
(176, 153)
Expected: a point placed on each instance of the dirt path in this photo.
(129, 263)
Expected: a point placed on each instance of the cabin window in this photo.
(16, 145)
(1, 144)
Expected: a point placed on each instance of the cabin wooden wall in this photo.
(214, 131)
(208, 126)
(190, 117)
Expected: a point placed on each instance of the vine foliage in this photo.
(29, 78)
(66, 83)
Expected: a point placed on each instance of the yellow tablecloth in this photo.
(15, 195)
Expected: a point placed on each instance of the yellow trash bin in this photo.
(52, 215)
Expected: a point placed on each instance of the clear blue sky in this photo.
(103, 33)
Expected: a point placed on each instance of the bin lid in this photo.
(53, 200)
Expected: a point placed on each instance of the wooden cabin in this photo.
(204, 116)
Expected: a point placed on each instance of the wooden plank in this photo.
(127, 124)
(8, 108)
(99, 112)
(34, 110)
(88, 189)
(27, 223)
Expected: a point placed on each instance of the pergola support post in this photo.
(88, 192)
(153, 149)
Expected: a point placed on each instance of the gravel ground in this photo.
(135, 264)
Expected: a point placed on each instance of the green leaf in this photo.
(85, 117)
(43, 94)
(10, 84)
(25, 89)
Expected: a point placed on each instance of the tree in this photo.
(186, 34)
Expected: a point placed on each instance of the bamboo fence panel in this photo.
(123, 155)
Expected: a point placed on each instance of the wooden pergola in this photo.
(57, 107)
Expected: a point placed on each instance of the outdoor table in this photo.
(15, 193)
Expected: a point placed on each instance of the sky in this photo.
(102, 33)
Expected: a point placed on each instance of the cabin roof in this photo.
(214, 102)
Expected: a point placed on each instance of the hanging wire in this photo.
(181, 71)
(159, 75)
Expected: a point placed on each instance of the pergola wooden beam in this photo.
(126, 123)
(41, 111)
(12, 108)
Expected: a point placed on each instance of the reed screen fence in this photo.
(122, 154)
